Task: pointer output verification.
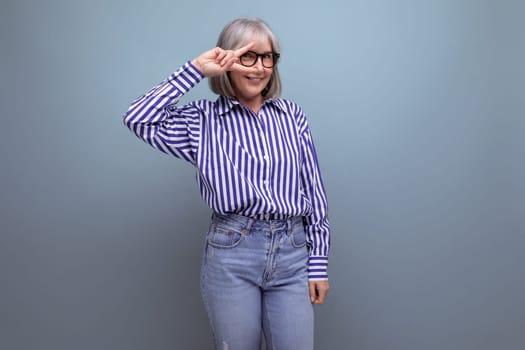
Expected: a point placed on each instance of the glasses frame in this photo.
(275, 58)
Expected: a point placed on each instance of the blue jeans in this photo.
(254, 276)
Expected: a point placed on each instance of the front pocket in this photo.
(298, 238)
(224, 238)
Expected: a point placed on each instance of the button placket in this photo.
(265, 155)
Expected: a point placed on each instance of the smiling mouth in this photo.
(254, 78)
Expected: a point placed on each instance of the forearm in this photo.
(147, 111)
(319, 246)
(156, 119)
(317, 225)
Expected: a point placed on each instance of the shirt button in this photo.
(266, 157)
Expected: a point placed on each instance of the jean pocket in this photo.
(298, 238)
(224, 238)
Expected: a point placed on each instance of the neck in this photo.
(253, 104)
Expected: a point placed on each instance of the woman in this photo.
(265, 259)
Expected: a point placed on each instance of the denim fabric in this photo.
(254, 276)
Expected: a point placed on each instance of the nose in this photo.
(259, 65)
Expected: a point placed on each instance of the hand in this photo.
(318, 291)
(218, 61)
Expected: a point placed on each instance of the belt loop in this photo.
(249, 223)
(289, 223)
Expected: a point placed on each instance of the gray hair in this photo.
(236, 34)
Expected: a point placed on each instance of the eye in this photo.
(267, 56)
(248, 55)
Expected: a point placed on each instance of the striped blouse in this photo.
(252, 164)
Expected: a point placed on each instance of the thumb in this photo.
(313, 291)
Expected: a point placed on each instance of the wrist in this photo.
(317, 268)
(197, 65)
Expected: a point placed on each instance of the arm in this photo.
(317, 226)
(155, 118)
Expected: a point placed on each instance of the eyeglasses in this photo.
(268, 59)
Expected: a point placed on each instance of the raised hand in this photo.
(218, 61)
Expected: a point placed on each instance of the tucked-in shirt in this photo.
(251, 164)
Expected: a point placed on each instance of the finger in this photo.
(242, 69)
(221, 54)
(242, 50)
(217, 52)
(313, 293)
(228, 58)
(229, 63)
(321, 295)
(322, 291)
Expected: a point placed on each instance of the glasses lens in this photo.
(248, 59)
(267, 60)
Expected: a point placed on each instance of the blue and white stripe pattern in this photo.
(248, 164)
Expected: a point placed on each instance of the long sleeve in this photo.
(156, 119)
(316, 224)
(247, 165)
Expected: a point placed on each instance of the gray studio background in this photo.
(418, 112)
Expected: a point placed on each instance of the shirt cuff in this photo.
(186, 77)
(318, 268)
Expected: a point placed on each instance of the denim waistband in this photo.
(247, 222)
(274, 217)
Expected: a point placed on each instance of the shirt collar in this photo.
(225, 104)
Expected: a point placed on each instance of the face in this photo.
(248, 87)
